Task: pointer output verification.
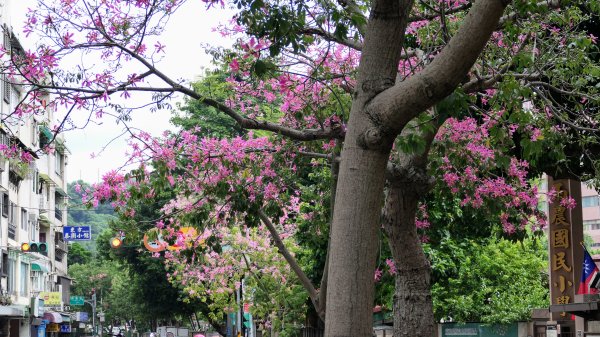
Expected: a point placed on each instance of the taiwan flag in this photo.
(590, 275)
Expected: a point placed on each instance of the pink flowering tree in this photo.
(367, 84)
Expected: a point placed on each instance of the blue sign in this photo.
(77, 233)
(65, 328)
(81, 316)
(41, 331)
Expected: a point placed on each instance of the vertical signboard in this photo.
(565, 231)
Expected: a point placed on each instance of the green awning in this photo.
(45, 131)
(61, 192)
(46, 178)
(44, 221)
(39, 267)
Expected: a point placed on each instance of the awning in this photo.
(61, 191)
(24, 147)
(66, 318)
(53, 317)
(44, 221)
(38, 267)
(45, 178)
(14, 310)
(45, 131)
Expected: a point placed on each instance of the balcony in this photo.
(61, 245)
(43, 205)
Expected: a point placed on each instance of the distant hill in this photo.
(80, 215)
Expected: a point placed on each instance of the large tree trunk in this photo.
(357, 210)
(413, 307)
(380, 110)
(359, 194)
(354, 241)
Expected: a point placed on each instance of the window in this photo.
(5, 205)
(5, 83)
(35, 133)
(24, 219)
(58, 206)
(591, 225)
(4, 140)
(4, 264)
(591, 201)
(33, 225)
(37, 281)
(59, 162)
(10, 282)
(35, 182)
(12, 214)
(7, 88)
(24, 280)
(12, 221)
(6, 41)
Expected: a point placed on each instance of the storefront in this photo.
(38, 327)
(65, 326)
(11, 320)
(54, 320)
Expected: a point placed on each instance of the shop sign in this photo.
(51, 298)
(53, 327)
(65, 328)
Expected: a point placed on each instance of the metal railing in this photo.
(43, 205)
(60, 244)
(312, 332)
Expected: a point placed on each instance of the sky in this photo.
(98, 149)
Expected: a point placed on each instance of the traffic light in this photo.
(116, 242)
(34, 247)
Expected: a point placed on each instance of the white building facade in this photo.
(33, 202)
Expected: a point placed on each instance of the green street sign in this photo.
(76, 300)
(247, 320)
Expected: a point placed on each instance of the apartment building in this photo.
(590, 204)
(32, 210)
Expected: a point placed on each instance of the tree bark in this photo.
(413, 307)
(359, 193)
(380, 110)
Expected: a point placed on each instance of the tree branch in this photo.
(392, 109)
(306, 283)
(436, 14)
(357, 45)
(352, 9)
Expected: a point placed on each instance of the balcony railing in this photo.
(43, 205)
(61, 245)
(59, 255)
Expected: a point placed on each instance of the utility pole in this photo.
(101, 319)
(92, 303)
